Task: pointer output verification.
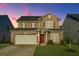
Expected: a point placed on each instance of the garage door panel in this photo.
(26, 39)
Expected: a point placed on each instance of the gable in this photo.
(69, 23)
(5, 22)
(50, 17)
(74, 16)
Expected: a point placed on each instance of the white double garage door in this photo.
(26, 39)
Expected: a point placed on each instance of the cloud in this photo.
(2, 5)
(26, 10)
(61, 23)
(14, 22)
(13, 13)
(14, 18)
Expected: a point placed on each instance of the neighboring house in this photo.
(71, 27)
(5, 26)
(37, 30)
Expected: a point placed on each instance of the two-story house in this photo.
(71, 27)
(37, 30)
(5, 26)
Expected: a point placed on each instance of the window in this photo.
(28, 25)
(20, 25)
(23, 25)
(49, 16)
(48, 24)
(33, 25)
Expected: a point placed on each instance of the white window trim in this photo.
(23, 25)
(33, 25)
(49, 24)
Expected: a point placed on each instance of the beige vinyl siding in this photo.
(49, 24)
(28, 25)
(55, 38)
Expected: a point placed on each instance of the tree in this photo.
(68, 40)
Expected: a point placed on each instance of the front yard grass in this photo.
(3, 45)
(56, 50)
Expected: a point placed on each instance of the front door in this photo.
(42, 38)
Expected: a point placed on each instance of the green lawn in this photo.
(3, 45)
(56, 50)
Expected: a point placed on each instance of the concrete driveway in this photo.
(18, 50)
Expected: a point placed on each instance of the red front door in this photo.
(42, 37)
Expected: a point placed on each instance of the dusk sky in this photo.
(14, 11)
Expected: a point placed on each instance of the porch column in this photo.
(38, 36)
(46, 36)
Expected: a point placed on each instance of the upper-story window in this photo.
(49, 16)
(20, 25)
(23, 26)
(49, 24)
(33, 25)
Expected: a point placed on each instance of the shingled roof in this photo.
(5, 22)
(28, 18)
(74, 16)
(26, 29)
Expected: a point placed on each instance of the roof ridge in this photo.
(73, 16)
(28, 18)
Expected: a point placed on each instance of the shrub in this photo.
(50, 42)
(67, 39)
(62, 42)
